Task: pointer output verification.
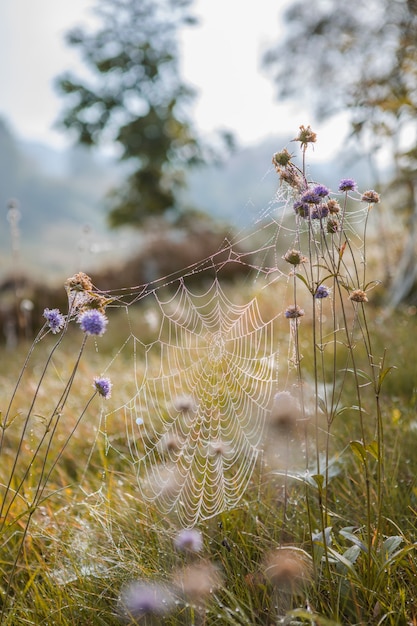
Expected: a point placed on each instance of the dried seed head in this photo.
(333, 206)
(281, 159)
(79, 282)
(197, 582)
(294, 257)
(284, 413)
(370, 196)
(293, 312)
(358, 296)
(306, 136)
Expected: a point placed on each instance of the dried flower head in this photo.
(142, 598)
(96, 301)
(333, 206)
(189, 540)
(294, 257)
(293, 312)
(93, 322)
(370, 196)
(197, 582)
(358, 295)
(289, 569)
(103, 386)
(333, 226)
(79, 282)
(347, 184)
(292, 177)
(306, 136)
(281, 159)
(322, 292)
(54, 319)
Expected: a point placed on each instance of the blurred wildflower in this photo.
(294, 257)
(289, 569)
(306, 136)
(292, 177)
(284, 413)
(370, 196)
(293, 312)
(347, 184)
(358, 296)
(189, 540)
(184, 404)
(103, 386)
(322, 292)
(197, 582)
(93, 322)
(141, 598)
(54, 319)
(311, 197)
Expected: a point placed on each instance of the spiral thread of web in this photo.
(202, 399)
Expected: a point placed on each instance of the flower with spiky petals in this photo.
(333, 206)
(370, 196)
(293, 312)
(189, 540)
(93, 322)
(310, 197)
(319, 212)
(322, 292)
(54, 319)
(103, 386)
(358, 295)
(347, 184)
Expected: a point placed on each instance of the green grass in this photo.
(91, 533)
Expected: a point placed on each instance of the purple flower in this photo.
(93, 322)
(188, 540)
(321, 191)
(319, 212)
(322, 292)
(54, 319)
(302, 209)
(310, 196)
(347, 184)
(103, 386)
(293, 312)
(141, 598)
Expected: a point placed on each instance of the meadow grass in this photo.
(325, 531)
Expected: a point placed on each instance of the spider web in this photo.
(205, 379)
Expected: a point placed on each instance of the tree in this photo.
(361, 57)
(134, 95)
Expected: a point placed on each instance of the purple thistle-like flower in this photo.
(142, 598)
(321, 191)
(188, 540)
(302, 209)
(54, 319)
(293, 312)
(93, 322)
(103, 386)
(319, 212)
(310, 196)
(347, 184)
(322, 292)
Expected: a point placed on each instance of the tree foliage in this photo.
(360, 57)
(133, 94)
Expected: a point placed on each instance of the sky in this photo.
(221, 58)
